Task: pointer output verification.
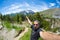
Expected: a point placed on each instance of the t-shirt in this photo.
(35, 33)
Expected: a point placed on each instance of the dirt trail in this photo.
(49, 36)
(21, 34)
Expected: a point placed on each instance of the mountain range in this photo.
(55, 13)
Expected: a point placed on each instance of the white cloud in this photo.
(13, 11)
(24, 6)
(52, 4)
(14, 8)
(17, 6)
(58, 2)
(42, 7)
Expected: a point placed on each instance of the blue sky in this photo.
(13, 6)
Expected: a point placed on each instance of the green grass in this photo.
(7, 25)
(10, 27)
(1, 38)
(26, 36)
(18, 28)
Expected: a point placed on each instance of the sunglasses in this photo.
(36, 24)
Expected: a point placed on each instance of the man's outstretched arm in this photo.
(49, 36)
(29, 20)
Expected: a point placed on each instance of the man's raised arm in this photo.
(29, 20)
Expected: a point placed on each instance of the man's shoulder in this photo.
(40, 29)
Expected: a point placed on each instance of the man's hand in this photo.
(43, 30)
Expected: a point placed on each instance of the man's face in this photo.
(36, 24)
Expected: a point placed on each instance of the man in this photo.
(35, 34)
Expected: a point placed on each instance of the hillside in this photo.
(50, 12)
